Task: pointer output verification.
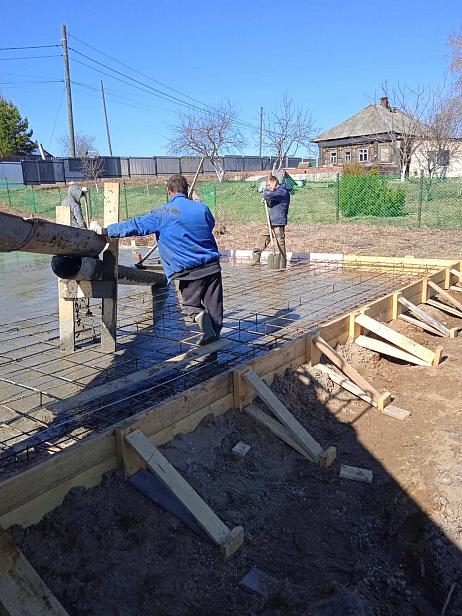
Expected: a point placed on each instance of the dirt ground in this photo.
(351, 239)
(331, 546)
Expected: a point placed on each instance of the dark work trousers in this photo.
(204, 293)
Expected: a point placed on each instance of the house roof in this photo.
(372, 120)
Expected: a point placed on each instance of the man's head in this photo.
(177, 184)
(272, 182)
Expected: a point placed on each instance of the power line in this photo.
(204, 106)
(122, 80)
(124, 100)
(55, 55)
(137, 71)
(28, 47)
(164, 95)
(19, 83)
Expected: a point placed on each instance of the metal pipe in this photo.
(88, 268)
(44, 237)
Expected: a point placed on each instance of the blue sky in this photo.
(331, 56)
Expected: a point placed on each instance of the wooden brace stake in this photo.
(380, 400)
(447, 296)
(399, 340)
(426, 318)
(295, 429)
(229, 540)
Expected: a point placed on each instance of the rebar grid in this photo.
(264, 309)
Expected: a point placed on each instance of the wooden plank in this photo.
(444, 308)
(297, 431)
(387, 349)
(107, 389)
(65, 305)
(342, 380)
(447, 296)
(421, 324)
(456, 273)
(110, 269)
(356, 474)
(397, 413)
(386, 332)
(455, 288)
(348, 370)
(22, 590)
(421, 314)
(207, 519)
(276, 428)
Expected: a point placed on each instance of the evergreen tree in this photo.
(15, 138)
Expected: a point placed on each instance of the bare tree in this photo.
(442, 140)
(286, 129)
(455, 46)
(83, 145)
(93, 167)
(208, 133)
(400, 124)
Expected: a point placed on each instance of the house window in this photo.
(363, 155)
(384, 154)
(333, 158)
(347, 156)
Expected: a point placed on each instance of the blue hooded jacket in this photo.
(278, 201)
(183, 230)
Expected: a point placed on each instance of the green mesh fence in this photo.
(374, 200)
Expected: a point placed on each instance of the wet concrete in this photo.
(263, 309)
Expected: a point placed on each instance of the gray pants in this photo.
(264, 239)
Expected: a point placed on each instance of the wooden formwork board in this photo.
(27, 496)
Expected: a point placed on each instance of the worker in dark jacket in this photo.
(277, 198)
(188, 251)
(74, 194)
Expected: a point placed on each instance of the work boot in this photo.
(256, 256)
(205, 325)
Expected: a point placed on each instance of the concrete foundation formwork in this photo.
(58, 410)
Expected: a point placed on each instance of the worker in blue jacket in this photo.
(188, 251)
(277, 198)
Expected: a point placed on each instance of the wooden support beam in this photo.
(445, 308)
(65, 305)
(275, 427)
(401, 341)
(421, 324)
(110, 261)
(390, 409)
(456, 273)
(22, 590)
(447, 296)
(454, 288)
(296, 430)
(424, 316)
(228, 540)
(373, 344)
(381, 400)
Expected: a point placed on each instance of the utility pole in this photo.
(67, 76)
(105, 117)
(261, 129)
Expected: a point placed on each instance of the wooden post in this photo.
(65, 303)
(110, 260)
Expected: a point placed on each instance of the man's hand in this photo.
(97, 228)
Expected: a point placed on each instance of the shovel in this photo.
(274, 260)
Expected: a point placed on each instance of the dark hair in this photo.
(273, 178)
(178, 184)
